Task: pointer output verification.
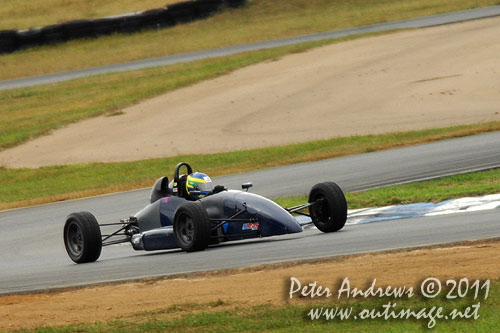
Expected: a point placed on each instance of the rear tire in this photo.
(192, 227)
(330, 213)
(82, 237)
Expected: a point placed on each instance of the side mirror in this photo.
(246, 186)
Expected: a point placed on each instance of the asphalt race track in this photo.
(32, 254)
(419, 22)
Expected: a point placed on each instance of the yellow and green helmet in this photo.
(198, 185)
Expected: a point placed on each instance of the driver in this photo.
(198, 185)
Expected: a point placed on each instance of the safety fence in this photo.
(177, 13)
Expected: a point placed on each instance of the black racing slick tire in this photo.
(329, 213)
(192, 227)
(82, 237)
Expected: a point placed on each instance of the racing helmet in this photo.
(198, 185)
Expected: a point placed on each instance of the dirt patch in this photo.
(474, 260)
(433, 77)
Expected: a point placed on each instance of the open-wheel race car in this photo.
(191, 214)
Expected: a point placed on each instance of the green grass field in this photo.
(295, 318)
(23, 187)
(259, 20)
(30, 112)
(458, 186)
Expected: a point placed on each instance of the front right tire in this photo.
(192, 227)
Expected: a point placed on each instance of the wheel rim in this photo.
(320, 211)
(186, 229)
(74, 239)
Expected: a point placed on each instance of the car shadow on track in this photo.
(239, 243)
(224, 246)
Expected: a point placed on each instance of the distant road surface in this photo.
(32, 254)
(420, 22)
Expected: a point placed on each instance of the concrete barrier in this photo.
(205, 8)
(28, 38)
(182, 12)
(235, 3)
(77, 29)
(8, 41)
(106, 26)
(177, 13)
(53, 34)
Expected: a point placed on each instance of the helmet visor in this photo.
(205, 188)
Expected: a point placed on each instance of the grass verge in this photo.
(458, 186)
(259, 20)
(295, 317)
(23, 187)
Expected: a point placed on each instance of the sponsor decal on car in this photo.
(250, 226)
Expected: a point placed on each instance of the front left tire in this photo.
(329, 212)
